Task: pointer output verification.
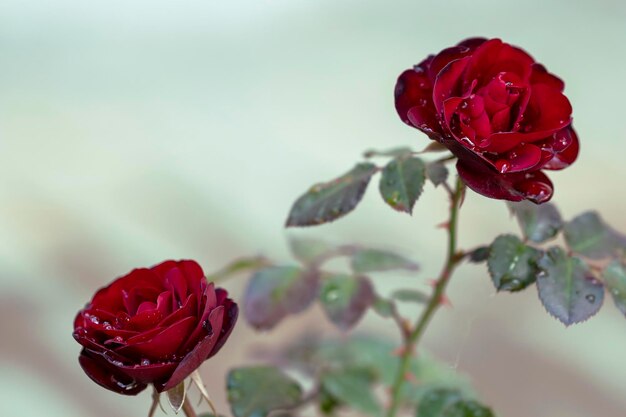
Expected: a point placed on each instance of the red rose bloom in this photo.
(501, 113)
(153, 326)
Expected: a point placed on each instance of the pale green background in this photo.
(136, 131)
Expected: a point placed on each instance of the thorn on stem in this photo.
(445, 301)
(408, 376)
(444, 225)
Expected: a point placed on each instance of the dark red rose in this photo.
(501, 113)
(153, 326)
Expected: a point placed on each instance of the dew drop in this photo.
(94, 319)
(206, 325)
(515, 283)
(331, 295)
(484, 142)
(466, 141)
(118, 339)
(503, 166)
(535, 191)
(591, 298)
(463, 104)
(145, 362)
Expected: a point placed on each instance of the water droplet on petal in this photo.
(145, 362)
(466, 141)
(483, 143)
(591, 298)
(94, 319)
(503, 166)
(118, 339)
(535, 191)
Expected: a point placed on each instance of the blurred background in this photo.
(133, 132)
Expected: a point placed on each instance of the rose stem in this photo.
(410, 342)
(188, 408)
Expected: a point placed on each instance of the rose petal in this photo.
(188, 309)
(534, 186)
(200, 352)
(230, 318)
(106, 376)
(494, 57)
(548, 110)
(444, 57)
(472, 43)
(447, 83)
(177, 284)
(540, 75)
(149, 373)
(563, 156)
(523, 158)
(163, 344)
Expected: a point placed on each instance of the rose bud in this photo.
(503, 115)
(153, 326)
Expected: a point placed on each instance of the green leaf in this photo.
(538, 222)
(402, 182)
(176, 396)
(437, 173)
(352, 387)
(345, 298)
(377, 355)
(388, 152)
(383, 307)
(480, 254)
(615, 281)
(238, 266)
(256, 391)
(512, 264)
(327, 403)
(467, 408)
(588, 235)
(375, 260)
(435, 401)
(308, 250)
(331, 200)
(275, 292)
(442, 402)
(434, 146)
(567, 288)
(410, 295)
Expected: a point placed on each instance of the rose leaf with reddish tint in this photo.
(345, 298)
(275, 292)
(331, 200)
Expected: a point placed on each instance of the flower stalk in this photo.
(453, 258)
